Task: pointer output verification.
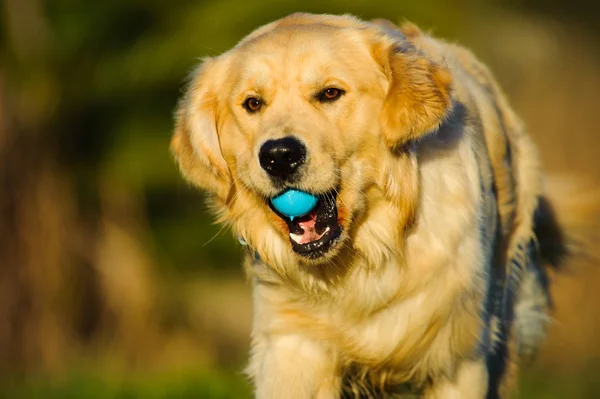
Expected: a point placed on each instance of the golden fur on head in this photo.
(216, 141)
(435, 183)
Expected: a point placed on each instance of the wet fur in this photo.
(438, 288)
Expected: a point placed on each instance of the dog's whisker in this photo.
(223, 228)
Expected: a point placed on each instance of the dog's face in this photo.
(320, 104)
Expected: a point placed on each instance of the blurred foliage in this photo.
(107, 258)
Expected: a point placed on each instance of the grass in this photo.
(548, 384)
(163, 386)
(535, 384)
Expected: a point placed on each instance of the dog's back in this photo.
(534, 222)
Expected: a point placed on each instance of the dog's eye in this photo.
(252, 104)
(330, 94)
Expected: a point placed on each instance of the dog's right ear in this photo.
(195, 143)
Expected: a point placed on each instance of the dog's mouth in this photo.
(315, 233)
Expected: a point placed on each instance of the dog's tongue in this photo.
(307, 224)
(310, 234)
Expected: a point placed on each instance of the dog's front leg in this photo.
(470, 382)
(293, 367)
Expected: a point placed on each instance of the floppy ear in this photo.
(195, 143)
(418, 97)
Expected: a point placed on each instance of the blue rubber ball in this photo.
(294, 203)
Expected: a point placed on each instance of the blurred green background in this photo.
(114, 283)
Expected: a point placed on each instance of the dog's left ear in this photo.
(419, 91)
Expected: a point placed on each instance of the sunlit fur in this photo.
(429, 161)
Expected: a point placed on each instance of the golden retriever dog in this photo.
(422, 269)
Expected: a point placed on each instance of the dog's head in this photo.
(328, 105)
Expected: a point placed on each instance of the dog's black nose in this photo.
(282, 157)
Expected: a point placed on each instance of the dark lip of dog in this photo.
(315, 234)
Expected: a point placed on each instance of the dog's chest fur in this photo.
(387, 337)
(412, 317)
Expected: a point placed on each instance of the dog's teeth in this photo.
(323, 233)
(296, 237)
